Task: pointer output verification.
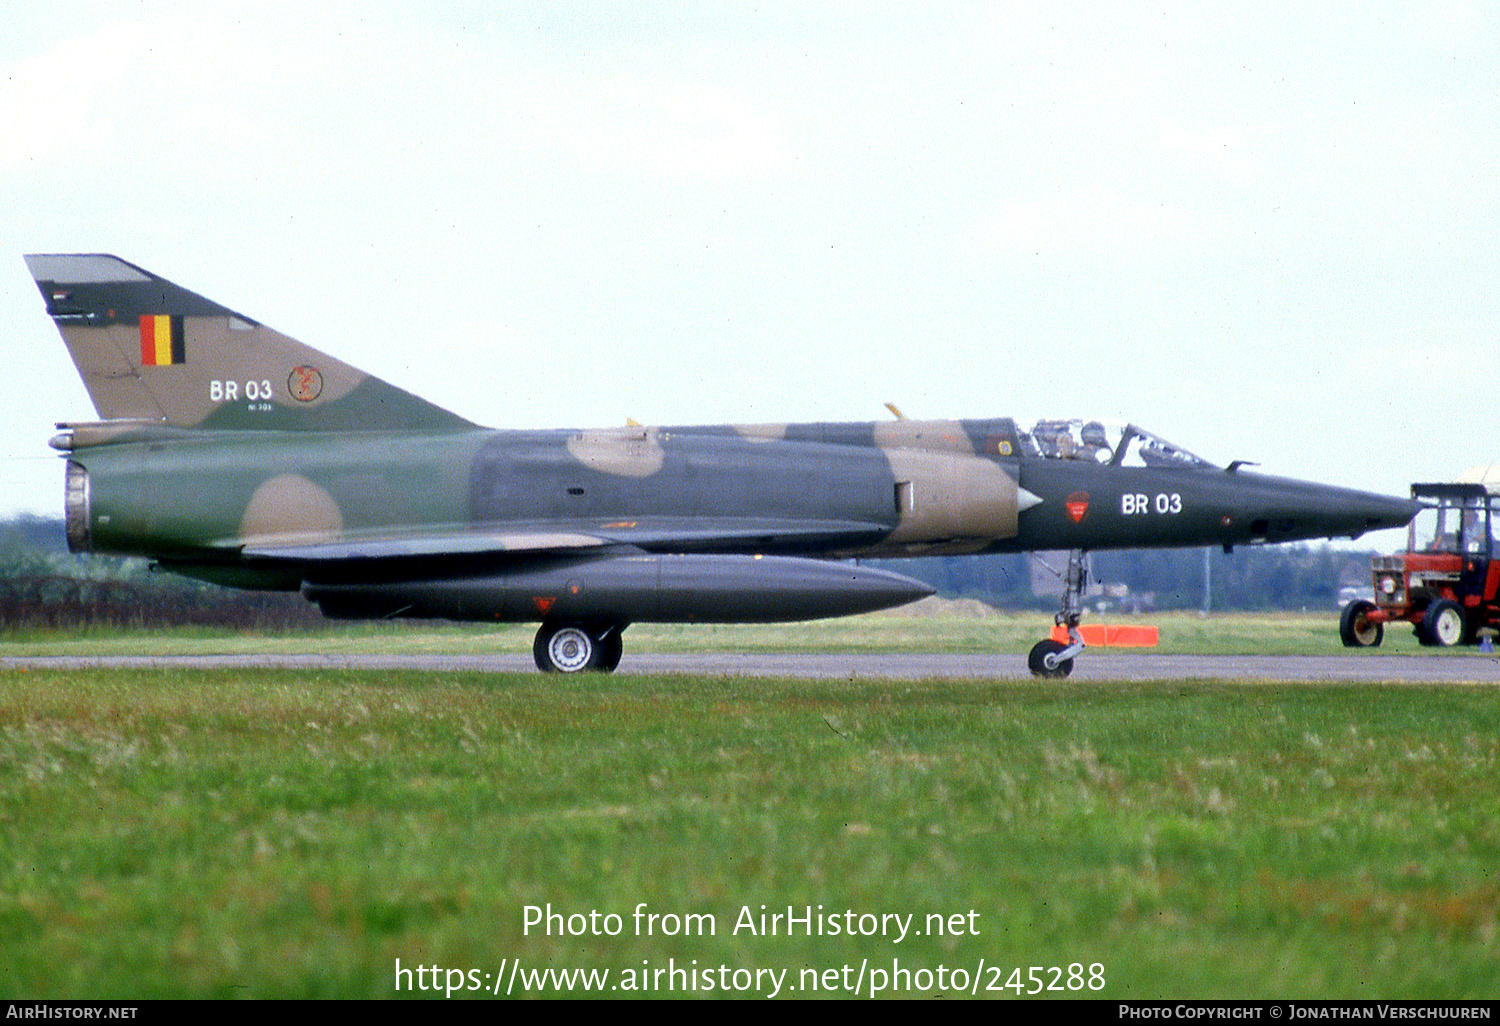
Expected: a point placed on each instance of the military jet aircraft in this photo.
(232, 453)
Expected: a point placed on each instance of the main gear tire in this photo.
(565, 648)
(611, 647)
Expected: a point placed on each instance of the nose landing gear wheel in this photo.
(1045, 652)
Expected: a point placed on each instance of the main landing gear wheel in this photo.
(575, 648)
(1043, 660)
(611, 647)
(1355, 628)
(1443, 623)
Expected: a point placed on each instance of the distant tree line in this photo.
(42, 585)
(1275, 577)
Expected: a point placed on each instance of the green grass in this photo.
(1012, 633)
(286, 833)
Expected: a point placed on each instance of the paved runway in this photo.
(1449, 668)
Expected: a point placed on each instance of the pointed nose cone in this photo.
(1387, 511)
(1287, 510)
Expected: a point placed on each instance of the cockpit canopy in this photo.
(1119, 445)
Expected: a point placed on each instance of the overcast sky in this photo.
(1269, 235)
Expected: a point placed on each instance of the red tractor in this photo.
(1445, 583)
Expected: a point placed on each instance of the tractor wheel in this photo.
(1443, 623)
(1355, 628)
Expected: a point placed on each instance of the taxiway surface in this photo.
(1454, 668)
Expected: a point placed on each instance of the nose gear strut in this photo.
(1050, 658)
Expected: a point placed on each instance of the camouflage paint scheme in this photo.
(260, 462)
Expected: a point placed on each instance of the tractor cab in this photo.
(1455, 520)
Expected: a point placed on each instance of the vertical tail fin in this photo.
(151, 350)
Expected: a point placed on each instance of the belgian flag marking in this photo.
(162, 340)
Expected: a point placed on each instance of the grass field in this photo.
(286, 833)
